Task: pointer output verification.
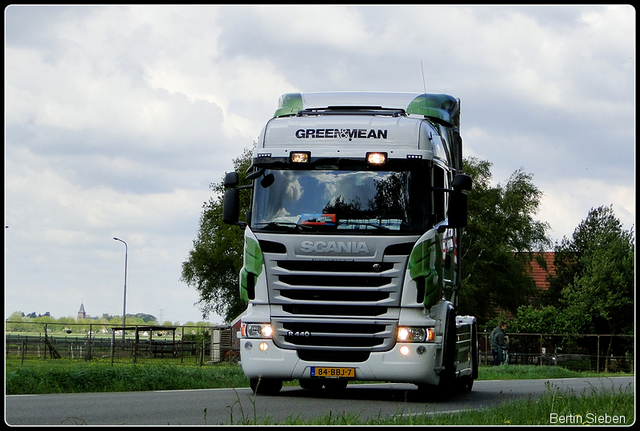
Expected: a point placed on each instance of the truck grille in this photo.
(335, 307)
(311, 334)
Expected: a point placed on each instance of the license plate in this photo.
(333, 372)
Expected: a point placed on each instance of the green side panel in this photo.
(440, 106)
(253, 263)
(424, 273)
(289, 104)
(244, 293)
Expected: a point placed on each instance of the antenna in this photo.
(424, 84)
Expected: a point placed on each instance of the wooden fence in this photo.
(580, 352)
(184, 344)
(207, 345)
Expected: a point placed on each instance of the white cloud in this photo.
(567, 203)
(119, 117)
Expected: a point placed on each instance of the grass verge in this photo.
(588, 408)
(554, 407)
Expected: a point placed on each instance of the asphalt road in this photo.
(238, 406)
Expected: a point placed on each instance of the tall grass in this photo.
(594, 407)
(518, 372)
(55, 377)
(52, 377)
(46, 377)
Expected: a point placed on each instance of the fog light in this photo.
(248, 345)
(404, 350)
(420, 350)
(263, 346)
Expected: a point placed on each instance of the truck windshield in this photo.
(327, 200)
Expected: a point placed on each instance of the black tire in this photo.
(335, 384)
(262, 386)
(446, 386)
(311, 384)
(465, 384)
(447, 376)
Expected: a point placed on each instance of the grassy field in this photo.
(43, 377)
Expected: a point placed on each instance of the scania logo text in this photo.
(337, 247)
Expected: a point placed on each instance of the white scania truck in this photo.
(352, 244)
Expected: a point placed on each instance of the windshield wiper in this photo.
(377, 226)
(283, 224)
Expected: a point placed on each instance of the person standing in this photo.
(499, 341)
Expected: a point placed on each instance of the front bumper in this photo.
(392, 366)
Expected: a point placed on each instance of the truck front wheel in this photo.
(465, 385)
(311, 384)
(262, 386)
(447, 375)
(335, 384)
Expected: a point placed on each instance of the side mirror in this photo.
(267, 181)
(459, 201)
(458, 210)
(230, 180)
(231, 206)
(462, 182)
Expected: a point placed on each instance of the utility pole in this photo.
(124, 302)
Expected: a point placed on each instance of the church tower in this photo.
(81, 313)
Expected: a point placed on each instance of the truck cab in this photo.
(352, 244)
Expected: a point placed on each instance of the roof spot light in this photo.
(376, 159)
(300, 157)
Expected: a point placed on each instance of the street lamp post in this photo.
(124, 302)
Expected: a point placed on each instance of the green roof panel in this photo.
(289, 104)
(440, 106)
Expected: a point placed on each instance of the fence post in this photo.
(598, 356)
(541, 347)
(182, 347)
(113, 344)
(24, 347)
(486, 348)
(88, 356)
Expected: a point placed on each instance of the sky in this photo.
(118, 119)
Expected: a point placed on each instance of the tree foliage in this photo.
(595, 273)
(499, 242)
(214, 263)
(501, 226)
(592, 290)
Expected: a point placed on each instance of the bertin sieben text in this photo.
(587, 419)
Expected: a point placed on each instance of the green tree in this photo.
(595, 274)
(146, 318)
(16, 319)
(547, 320)
(496, 246)
(214, 263)
(499, 242)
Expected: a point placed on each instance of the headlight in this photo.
(257, 330)
(415, 334)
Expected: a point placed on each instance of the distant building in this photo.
(541, 275)
(81, 313)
